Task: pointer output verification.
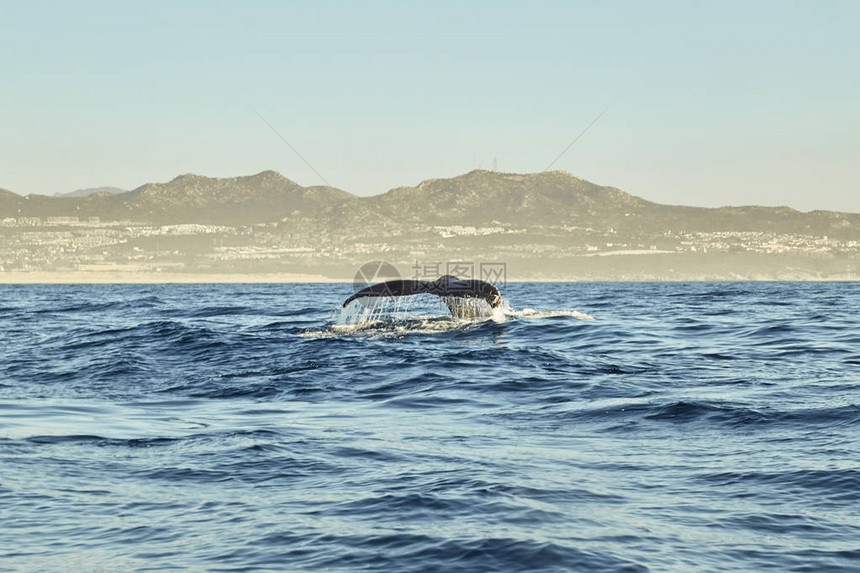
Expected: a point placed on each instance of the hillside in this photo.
(477, 198)
(264, 197)
(483, 197)
(545, 225)
(559, 198)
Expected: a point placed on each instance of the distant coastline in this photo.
(550, 226)
(164, 278)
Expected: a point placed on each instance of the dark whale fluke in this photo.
(450, 288)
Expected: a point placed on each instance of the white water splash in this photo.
(387, 316)
(373, 309)
(532, 313)
(369, 310)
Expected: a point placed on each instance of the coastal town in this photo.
(29, 244)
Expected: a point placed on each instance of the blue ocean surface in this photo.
(687, 427)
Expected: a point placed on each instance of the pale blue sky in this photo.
(710, 103)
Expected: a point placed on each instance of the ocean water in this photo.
(687, 427)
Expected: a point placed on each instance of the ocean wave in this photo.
(687, 426)
(831, 486)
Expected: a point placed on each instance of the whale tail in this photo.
(459, 295)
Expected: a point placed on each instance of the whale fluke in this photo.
(450, 288)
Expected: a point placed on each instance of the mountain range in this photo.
(477, 198)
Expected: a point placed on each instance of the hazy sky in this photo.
(710, 103)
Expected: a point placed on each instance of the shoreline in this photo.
(127, 277)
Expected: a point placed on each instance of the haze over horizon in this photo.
(736, 104)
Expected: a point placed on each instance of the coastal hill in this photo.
(477, 198)
(559, 198)
(260, 198)
(550, 226)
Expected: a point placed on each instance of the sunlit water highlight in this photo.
(596, 427)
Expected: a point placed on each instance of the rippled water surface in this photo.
(688, 427)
